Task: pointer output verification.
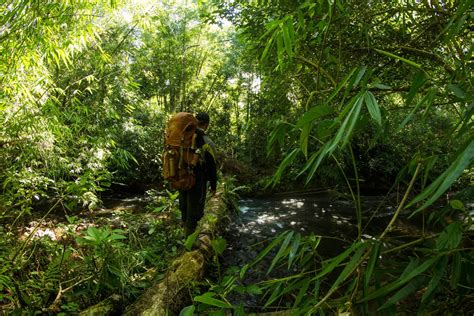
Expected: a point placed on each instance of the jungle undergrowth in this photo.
(65, 264)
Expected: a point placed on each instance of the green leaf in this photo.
(207, 298)
(267, 249)
(446, 179)
(351, 266)
(411, 272)
(219, 245)
(340, 86)
(267, 49)
(359, 76)
(188, 244)
(304, 139)
(456, 270)
(405, 291)
(382, 86)
(303, 285)
(439, 272)
(313, 114)
(428, 98)
(281, 252)
(353, 118)
(284, 164)
(407, 61)
(277, 292)
(371, 265)
(456, 204)
(277, 135)
(287, 41)
(451, 237)
(295, 243)
(253, 289)
(243, 271)
(456, 90)
(373, 107)
(334, 262)
(187, 311)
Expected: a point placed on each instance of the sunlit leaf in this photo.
(407, 61)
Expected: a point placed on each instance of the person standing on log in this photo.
(191, 202)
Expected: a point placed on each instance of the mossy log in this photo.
(171, 294)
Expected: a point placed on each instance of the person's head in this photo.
(203, 120)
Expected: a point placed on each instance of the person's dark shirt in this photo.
(207, 169)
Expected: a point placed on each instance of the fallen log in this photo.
(171, 294)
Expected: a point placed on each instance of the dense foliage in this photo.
(363, 96)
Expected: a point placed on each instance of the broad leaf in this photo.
(373, 107)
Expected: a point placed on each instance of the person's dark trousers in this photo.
(191, 204)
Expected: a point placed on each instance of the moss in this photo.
(169, 295)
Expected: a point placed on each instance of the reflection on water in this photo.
(309, 214)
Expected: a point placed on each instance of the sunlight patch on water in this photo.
(244, 209)
(298, 203)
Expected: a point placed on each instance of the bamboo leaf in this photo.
(406, 61)
(294, 249)
(371, 265)
(439, 272)
(287, 41)
(340, 86)
(281, 252)
(354, 117)
(373, 107)
(359, 76)
(267, 49)
(207, 298)
(405, 291)
(277, 135)
(428, 98)
(277, 292)
(313, 114)
(267, 249)
(304, 139)
(319, 156)
(409, 274)
(284, 164)
(350, 267)
(446, 179)
(337, 260)
(303, 285)
(456, 270)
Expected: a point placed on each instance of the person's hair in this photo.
(202, 117)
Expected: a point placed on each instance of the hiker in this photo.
(191, 201)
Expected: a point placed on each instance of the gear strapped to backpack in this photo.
(180, 156)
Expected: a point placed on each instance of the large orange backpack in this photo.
(180, 157)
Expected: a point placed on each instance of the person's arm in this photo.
(212, 171)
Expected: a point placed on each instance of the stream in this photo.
(263, 219)
(260, 220)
